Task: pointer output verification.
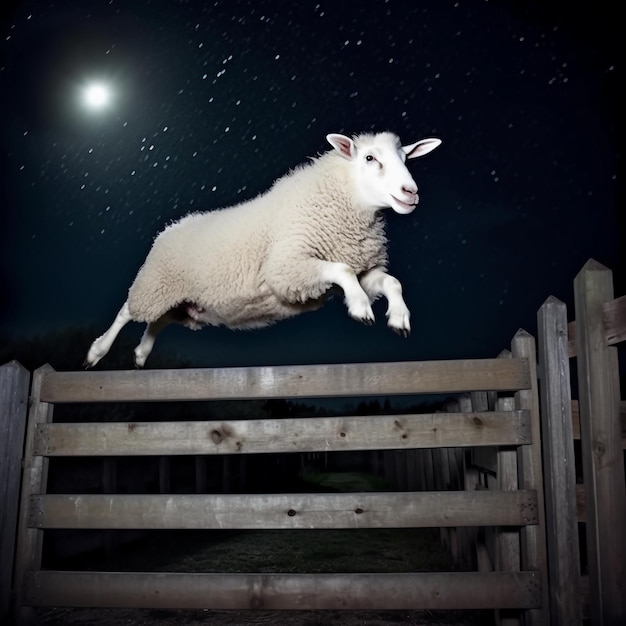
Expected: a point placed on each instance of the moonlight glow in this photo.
(96, 96)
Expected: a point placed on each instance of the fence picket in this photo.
(559, 465)
(14, 380)
(603, 466)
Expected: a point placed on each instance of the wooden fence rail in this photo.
(305, 381)
(327, 434)
(430, 591)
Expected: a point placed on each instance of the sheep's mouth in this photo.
(399, 206)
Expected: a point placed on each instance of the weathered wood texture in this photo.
(361, 379)
(603, 466)
(507, 557)
(349, 510)
(559, 465)
(576, 421)
(530, 468)
(435, 443)
(14, 380)
(613, 321)
(429, 591)
(285, 435)
(34, 480)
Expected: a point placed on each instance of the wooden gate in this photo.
(514, 510)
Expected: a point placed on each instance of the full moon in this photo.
(96, 96)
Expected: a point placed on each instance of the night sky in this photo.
(210, 102)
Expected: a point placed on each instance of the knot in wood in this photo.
(217, 436)
(599, 448)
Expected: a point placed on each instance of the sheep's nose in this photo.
(411, 190)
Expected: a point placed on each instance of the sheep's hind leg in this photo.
(377, 282)
(102, 344)
(144, 348)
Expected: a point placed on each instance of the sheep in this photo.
(278, 254)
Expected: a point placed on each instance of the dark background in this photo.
(212, 101)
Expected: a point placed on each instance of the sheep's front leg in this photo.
(377, 282)
(103, 344)
(357, 301)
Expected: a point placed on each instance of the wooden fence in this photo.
(475, 472)
(588, 586)
(600, 324)
(521, 589)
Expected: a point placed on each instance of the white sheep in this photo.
(278, 254)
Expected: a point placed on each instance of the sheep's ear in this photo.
(344, 145)
(421, 147)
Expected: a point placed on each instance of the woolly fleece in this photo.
(258, 262)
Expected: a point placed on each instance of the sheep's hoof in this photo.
(403, 332)
(90, 360)
(362, 312)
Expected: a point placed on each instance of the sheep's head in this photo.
(380, 174)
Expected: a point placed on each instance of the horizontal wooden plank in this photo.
(334, 510)
(426, 591)
(305, 381)
(285, 435)
(613, 321)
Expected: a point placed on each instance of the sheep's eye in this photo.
(369, 158)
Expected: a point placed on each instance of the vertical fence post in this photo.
(508, 557)
(34, 481)
(559, 465)
(603, 466)
(14, 380)
(533, 538)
